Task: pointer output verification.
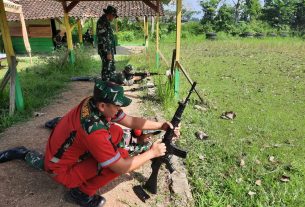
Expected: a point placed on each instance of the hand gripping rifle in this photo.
(171, 149)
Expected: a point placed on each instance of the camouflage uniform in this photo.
(106, 45)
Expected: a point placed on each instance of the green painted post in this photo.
(71, 56)
(177, 79)
(19, 98)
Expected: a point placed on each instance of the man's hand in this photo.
(158, 148)
(167, 124)
(109, 56)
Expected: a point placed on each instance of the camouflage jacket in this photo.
(105, 37)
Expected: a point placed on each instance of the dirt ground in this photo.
(24, 186)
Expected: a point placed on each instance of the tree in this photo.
(209, 8)
(187, 14)
(252, 10)
(279, 13)
(237, 8)
(299, 16)
(224, 20)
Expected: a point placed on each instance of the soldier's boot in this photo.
(51, 124)
(14, 153)
(84, 200)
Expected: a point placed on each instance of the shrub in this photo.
(126, 36)
(194, 28)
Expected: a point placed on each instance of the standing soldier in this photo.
(106, 43)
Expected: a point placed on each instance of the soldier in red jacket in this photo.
(82, 151)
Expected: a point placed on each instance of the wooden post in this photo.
(80, 32)
(25, 36)
(12, 85)
(146, 32)
(144, 29)
(93, 32)
(157, 39)
(69, 38)
(152, 30)
(178, 44)
(6, 35)
(11, 59)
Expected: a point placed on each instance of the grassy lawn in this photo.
(258, 158)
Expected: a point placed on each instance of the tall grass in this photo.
(43, 80)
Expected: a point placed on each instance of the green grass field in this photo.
(258, 158)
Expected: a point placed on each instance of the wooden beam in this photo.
(59, 21)
(69, 38)
(157, 32)
(5, 80)
(7, 41)
(12, 7)
(178, 28)
(146, 31)
(25, 36)
(157, 39)
(12, 10)
(68, 8)
(13, 72)
(151, 5)
(163, 58)
(188, 78)
(178, 45)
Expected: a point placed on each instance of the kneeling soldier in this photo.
(82, 151)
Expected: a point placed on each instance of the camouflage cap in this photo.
(111, 10)
(108, 92)
(128, 68)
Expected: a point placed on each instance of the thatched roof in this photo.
(46, 9)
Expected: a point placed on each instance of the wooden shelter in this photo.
(44, 17)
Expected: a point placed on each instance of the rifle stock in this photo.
(171, 149)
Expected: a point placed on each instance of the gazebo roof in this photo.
(46, 9)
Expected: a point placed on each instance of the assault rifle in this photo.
(128, 76)
(143, 75)
(171, 149)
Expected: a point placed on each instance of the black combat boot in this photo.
(84, 200)
(14, 153)
(51, 124)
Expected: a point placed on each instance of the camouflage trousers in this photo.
(108, 69)
(35, 159)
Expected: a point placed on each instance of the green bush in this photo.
(223, 36)
(194, 28)
(126, 36)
